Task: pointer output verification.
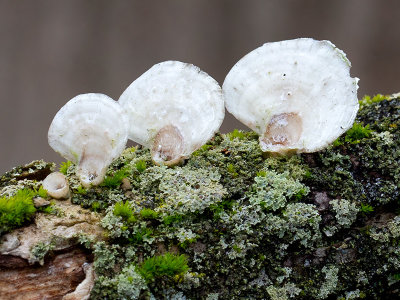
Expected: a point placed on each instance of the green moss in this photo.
(141, 165)
(368, 100)
(124, 210)
(237, 134)
(173, 219)
(64, 166)
(357, 133)
(366, 208)
(115, 180)
(81, 190)
(96, 206)
(41, 192)
(224, 206)
(231, 169)
(52, 210)
(202, 150)
(17, 209)
(147, 213)
(140, 235)
(167, 265)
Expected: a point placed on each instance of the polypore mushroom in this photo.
(297, 95)
(56, 185)
(90, 130)
(174, 108)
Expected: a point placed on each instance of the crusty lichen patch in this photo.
(311, 226)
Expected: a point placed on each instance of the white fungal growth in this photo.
(90, 130)
(297, 95)
(174, 108)
(56, 185)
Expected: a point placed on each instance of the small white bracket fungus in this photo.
(56, 185)
(90, 130)
(174, 108)
(297, 95)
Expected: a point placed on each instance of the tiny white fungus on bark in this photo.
(56, 185)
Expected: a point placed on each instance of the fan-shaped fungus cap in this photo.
(90, 130)
(174, 108)
(56, 185)
(297, 94)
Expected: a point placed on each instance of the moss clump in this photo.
(141, 165)
(17, 209)
(147, 213)
(64, 166)
(357, 132)
(114, 180)
(124, 210)
(237, 134)
(366, 208)
(368, 100)
(166, 265)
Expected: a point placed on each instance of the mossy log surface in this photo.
(234, 223)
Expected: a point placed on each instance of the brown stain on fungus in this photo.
(284, 129)
(168, 146)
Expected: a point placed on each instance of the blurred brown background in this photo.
(50, 50)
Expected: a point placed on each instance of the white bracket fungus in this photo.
(90, 130)
(174, 108)
(297, 95)
(56, 185)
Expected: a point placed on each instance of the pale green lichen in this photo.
(289, 290)
(105, 258)
(329, 285)
(181, 190)
(40, 250)
(128, 284)
(212, 296)
(345, 212)
(391, 231)
(272, 190)
(303, 223)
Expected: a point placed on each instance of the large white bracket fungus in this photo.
(174, 108)
(297, 95)
(90, 130)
